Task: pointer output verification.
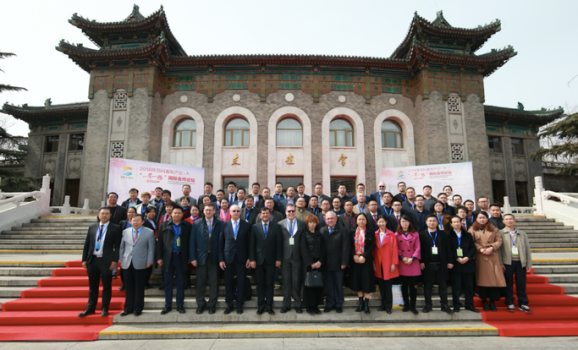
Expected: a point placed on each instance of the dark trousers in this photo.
(232, 269)
(435, 274)
(333, 281)
(209, 271)
(134, 284)
(265, 274)
(94, 270)
(492, 293)
(462, 281)
(175, 266)
(520, 272)
(292, 282)
(409, 290)
(386, 294)
(149, 273)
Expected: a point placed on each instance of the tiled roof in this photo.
(535, 118)
(36, 114)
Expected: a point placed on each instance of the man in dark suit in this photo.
(293, 230)
(249, 213)
(463, 250)
(448, 209)
(173, 257)
(234, 257)
(496, 216)
(278, 195)
(99, 258)
(401, 196)
(421, 212)
(289, 199)
(265, 253)
(337, 246)
(325, 208)
(319, 193)
(378, 196)
(255, 189)
(117, 212)
(301, 193)
(133, 200)
(483, 205)
(204, 255)
(360, 188)
(208, 193)
(231, 193)
(428, 199)
(186, 189)
(371, 214)
(393, 218)
(348, 219)
(162, 208)
(436, 259)
(342, 194)
(409, 204)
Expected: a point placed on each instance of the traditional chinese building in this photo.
(294, 118)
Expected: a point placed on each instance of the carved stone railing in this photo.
(561, 206)
(17, 207)
(67, 210)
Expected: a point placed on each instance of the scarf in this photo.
(359, 241)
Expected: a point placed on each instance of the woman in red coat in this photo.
(409, 256)
(385, 262)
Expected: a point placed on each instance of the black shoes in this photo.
(486, 306)
(310, 311)
(360, 307)
(228, 310)
(381, 308)
(200, 309)
(298, 310)
(271, 312)
(125, 313)
(406, 308)
(212, 310)
(339, 310)
(260, 311)
(366, 306)
(493, 306)
(414, 311)
(104, 311)
(328, 309)
(162, 287)
(447, 309)
(86, 313)
(472, 309)
(456, 309)
(388, 311)
(284, 309)
(121, 288)
(137, 313)
(239, 310)
(166, 310)
(181, 309)
(426, 309)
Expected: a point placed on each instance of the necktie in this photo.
(330, 230)
(235, 229)
(135, 236)
(265, 230)
(230, 198)
(374, 217)
(397, 217)
(464, 226)
(291, 227)
(209, 225)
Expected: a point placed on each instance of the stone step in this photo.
(35, 264)
(76, 220)
(551, 232)
(554, 269)
(554, 262)
(348, 316)
(11, 292)
(554, 244)
(34, 248)
(57, 224)
(562, 278)
(20, 281)
(45, 242)
(296, 330)
(25, 271)
(569, 288)
(42, 228)
(54, 235)
(553, 236)
(558, 240)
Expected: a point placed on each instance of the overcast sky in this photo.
(542, 32)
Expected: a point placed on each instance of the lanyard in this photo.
(247, 214)
(100, 234)
(459, 238)
(361, 210)
(404, 197)
(177, 231)
(235, 228)
(209, 227)
(152, 223)
(143, 209)
(512, 238)
(388, 212)
(440, 219)
(434, 239)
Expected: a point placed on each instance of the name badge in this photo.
(514, 251)
(179, 242)
(441, 227)
(460, 252)
(291, 241)
(98, 244)
(434, 250)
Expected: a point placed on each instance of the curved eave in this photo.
(489, 62)
(37, 114)
(535, 118)
(258, 60)
(450, 32)
(159, 17)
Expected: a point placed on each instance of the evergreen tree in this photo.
(566, 131)
(4, 87)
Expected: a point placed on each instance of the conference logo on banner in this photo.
(458, 175)
(125, 174)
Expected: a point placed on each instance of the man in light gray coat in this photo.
(137, 252)
(292, 230)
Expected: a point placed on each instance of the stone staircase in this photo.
(67, 234)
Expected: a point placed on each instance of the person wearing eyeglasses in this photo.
(293, 230)
(337, 252)
(378, 196)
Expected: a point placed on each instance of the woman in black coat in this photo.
(362, 279)
(463, 250)
(313, 253)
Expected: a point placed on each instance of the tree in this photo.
(9, 87)
(566, 131)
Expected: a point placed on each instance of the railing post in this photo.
(66, 206)
(85, 208)
(538, 195)
(507, 207)
(46, 189)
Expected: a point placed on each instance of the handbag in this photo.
(313, 279)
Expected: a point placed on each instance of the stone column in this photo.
(509, 167)
(57, 197)
(534, 167)
(478, 149)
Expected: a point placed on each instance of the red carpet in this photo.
(555, 314)
(50, 311)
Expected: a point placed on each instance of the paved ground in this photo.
(305, 344)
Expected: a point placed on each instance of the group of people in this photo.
(360, 242)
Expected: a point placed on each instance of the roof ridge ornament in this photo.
(135, 15)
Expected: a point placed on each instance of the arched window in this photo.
(185, 133)
(289, 133)
(340, 133)
(237, 132)
(391, 135)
